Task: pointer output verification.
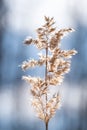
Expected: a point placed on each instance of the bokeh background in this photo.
(19, 19)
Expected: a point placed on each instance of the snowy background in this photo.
(19, 19)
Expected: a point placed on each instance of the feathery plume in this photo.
(57, 64)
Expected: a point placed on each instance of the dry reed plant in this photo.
(57, 64)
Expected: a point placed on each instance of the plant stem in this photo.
(46, 122)
(46, 84)
(47, 126)
(46, 70)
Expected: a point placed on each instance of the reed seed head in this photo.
(57, 64)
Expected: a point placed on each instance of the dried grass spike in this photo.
(57, 64)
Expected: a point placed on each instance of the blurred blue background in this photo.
(19, 19)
